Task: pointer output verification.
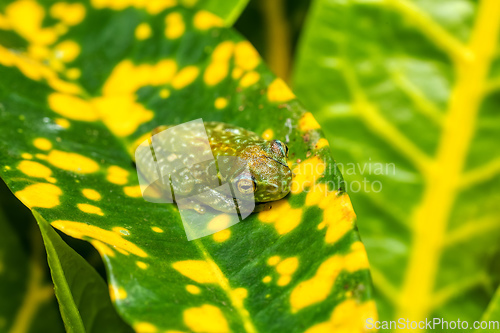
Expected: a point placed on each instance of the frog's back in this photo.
(226, 139)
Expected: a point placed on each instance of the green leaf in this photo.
(492, 315)
(82, 293)
(27, 302)
(227, 10)
(74, 109)
(408, 95)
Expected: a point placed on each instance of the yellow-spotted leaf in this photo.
(408, 92)
(84, 83)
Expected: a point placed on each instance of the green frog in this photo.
(257, 169)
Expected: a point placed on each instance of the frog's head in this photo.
(270, 177)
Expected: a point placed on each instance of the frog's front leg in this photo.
(217, 199)
(190, 203)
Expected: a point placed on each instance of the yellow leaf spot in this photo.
(174, 25)
(34, 70)
(220, 103)
(141, 265)
(357, 258)
(205, 319)
(246, 57)
(215, 73)
(338, 215)
(222, 235)
(133, 191)
(156, 229)
(143, 31)
(266, 279)
(72, 162)
(319, 286)
(163, 72)
(144, 327)
(317, 193)
(35, 169)
(268, 134)
(348, 316)
(164, 93)
(38, 52)
(249, 78)
(72, 107)
(117, 175)
(307, 173)
(63, 86)
(121, 114)
(284, 217)
(102, 248)
(42, 144)
(193, 289)
(237, 73)
(219, 222)
(223, 52)
(26, 156)
(126, 78)
(307, 122)
(40, 195)
(321, 143)
(90, 209)
(285, 268)
(25, 17)
(204, 20)
(71, 14)
(117, 293)
(273, 260)
(91, 194)
(64, 123)
(284, 280)
(185, 77)
(156, 6)
(239, 295)
(278, 91)
(4, 23)
(67, 50)
(82, 230)
(288, 266)
(197, 270)
(218, 69)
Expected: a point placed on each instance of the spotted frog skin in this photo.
(266, 173)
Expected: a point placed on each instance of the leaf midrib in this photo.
(430, 217)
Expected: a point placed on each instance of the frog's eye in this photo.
(246, 186)
(280, 147)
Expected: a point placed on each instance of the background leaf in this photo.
(73, 111)
(405, 87)
(27, 302)
(492, 314)
(273, 27)
(83, 295)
